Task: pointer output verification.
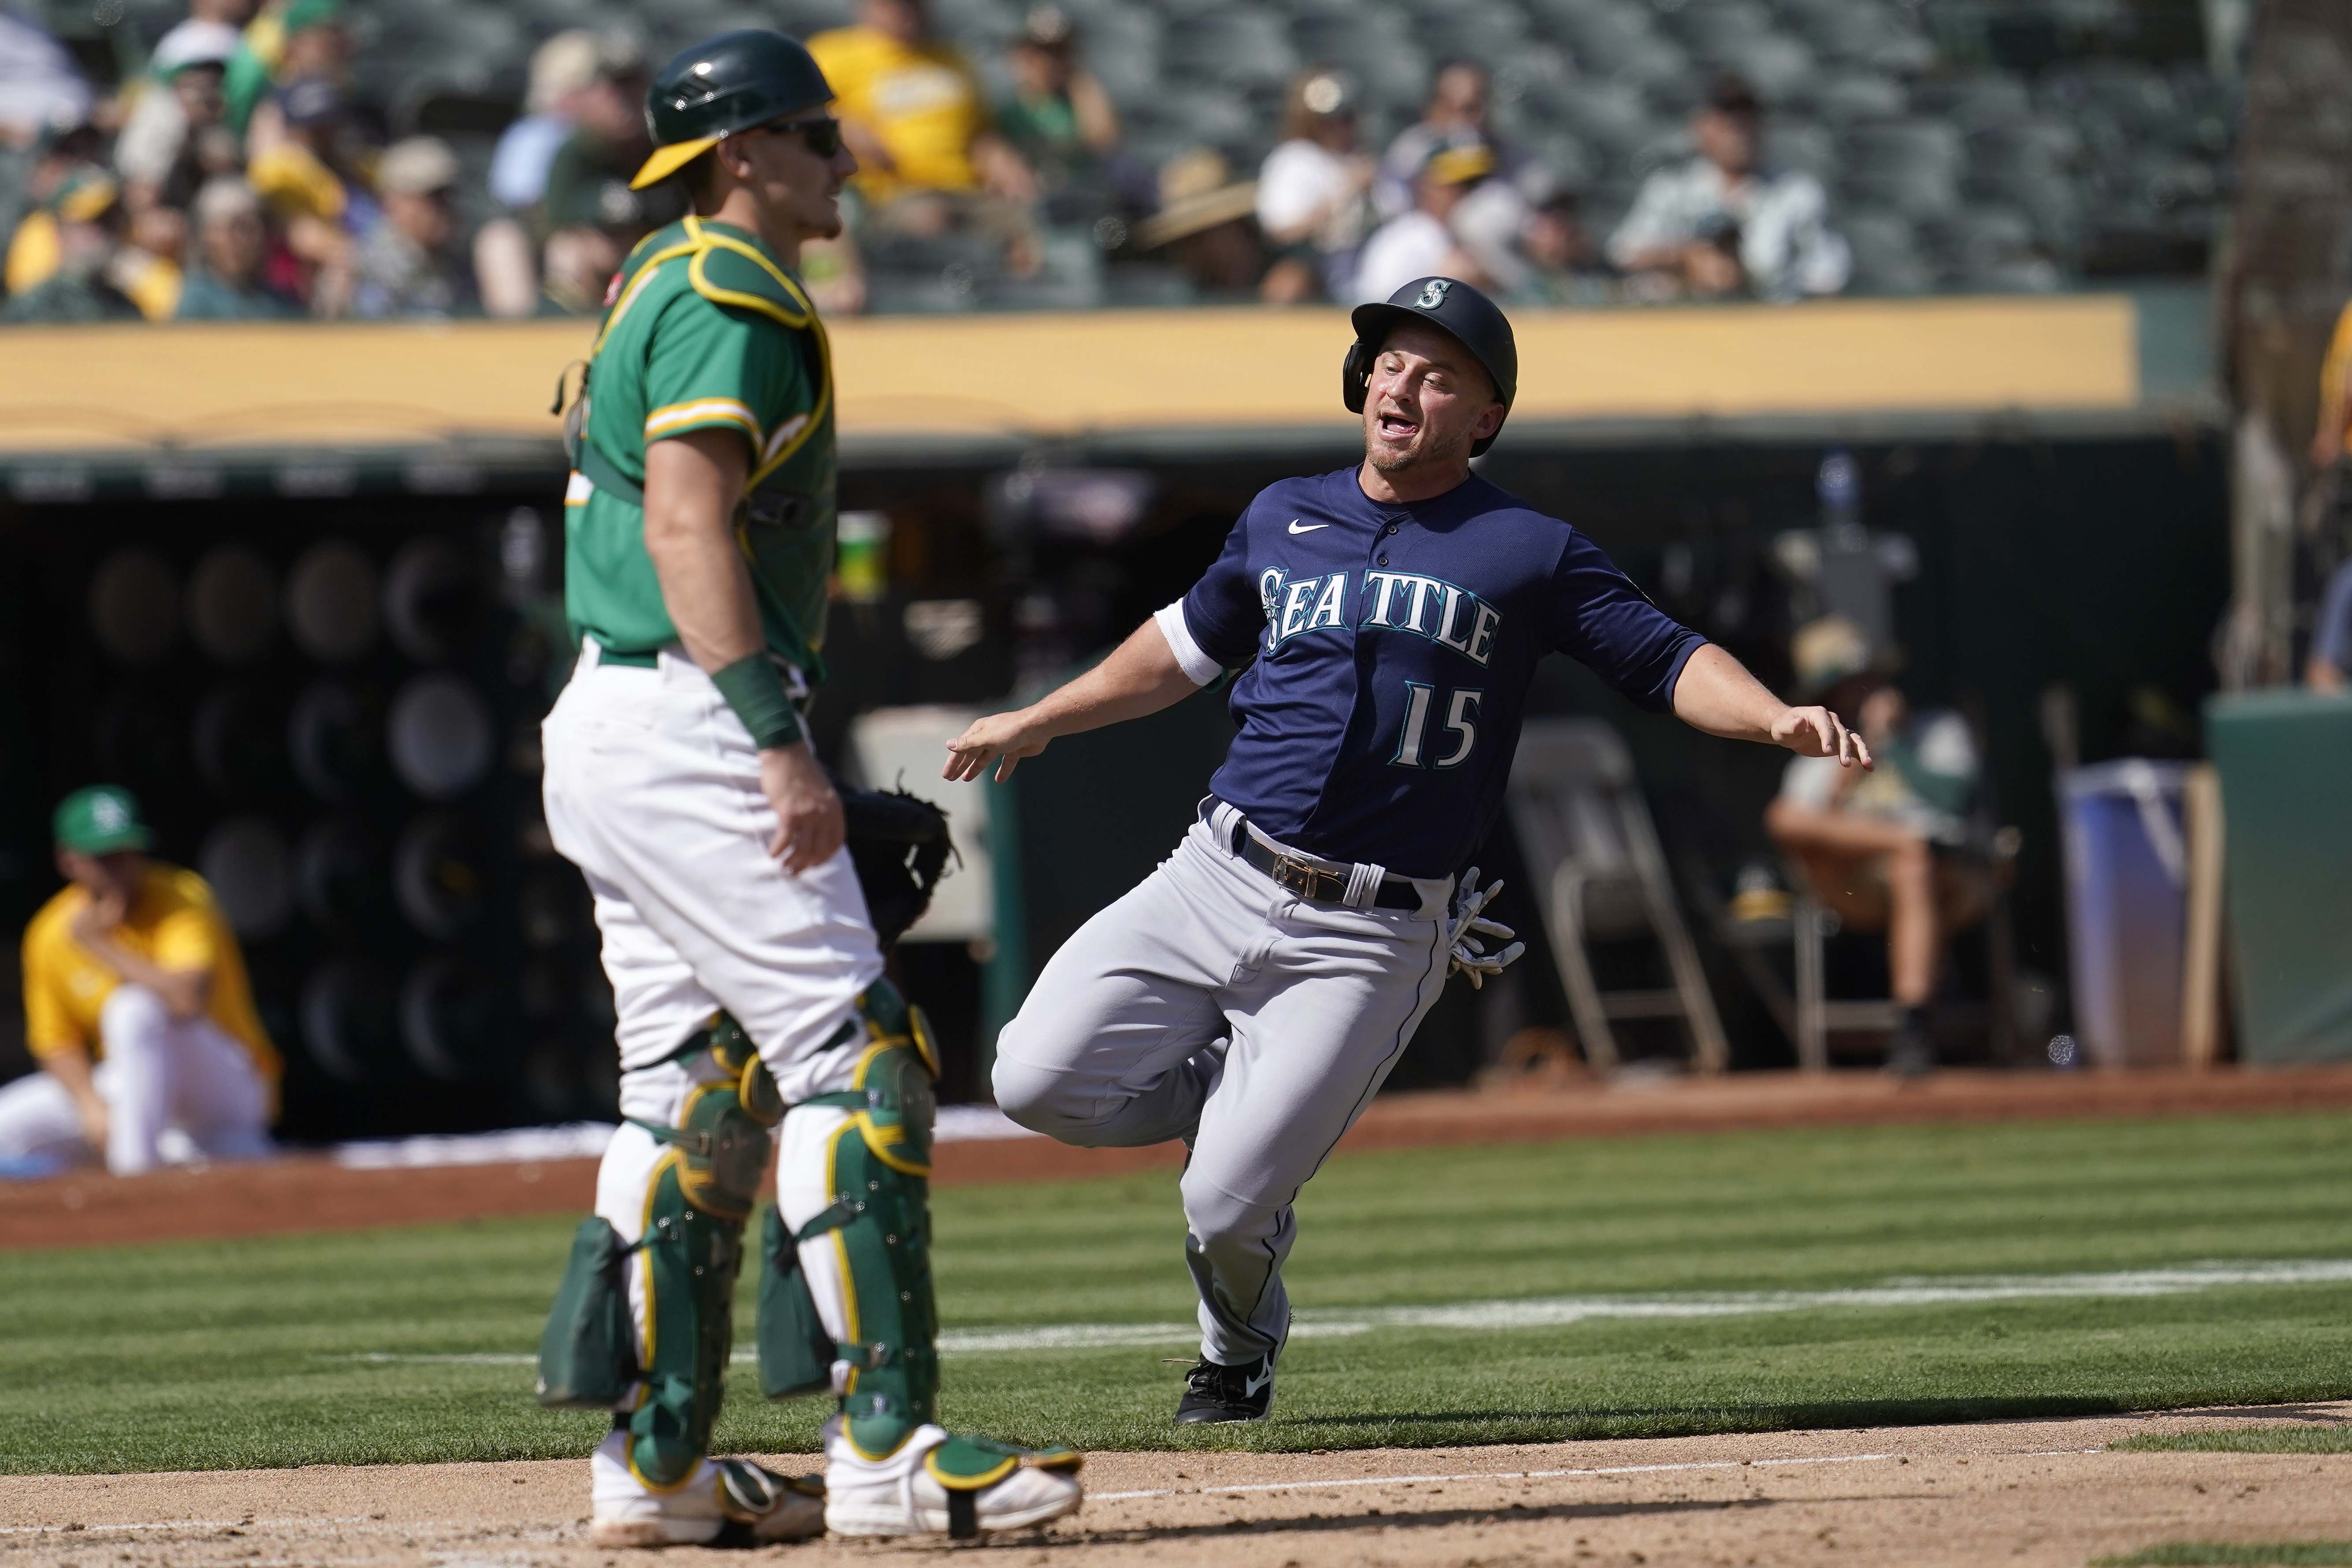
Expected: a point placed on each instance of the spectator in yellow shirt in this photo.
(914, 112)
(138, 1010)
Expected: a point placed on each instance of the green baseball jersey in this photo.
(707, 331)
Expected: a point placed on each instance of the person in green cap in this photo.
(286, 42)
(699, 527)
(137, 1009)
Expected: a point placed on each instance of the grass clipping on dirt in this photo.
(2244, 1440)
(351, 1348)
(2233, 1554)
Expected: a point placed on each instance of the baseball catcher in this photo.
(743, 956)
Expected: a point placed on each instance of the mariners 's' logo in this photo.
(1433, 293)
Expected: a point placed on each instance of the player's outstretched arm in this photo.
(1140, 677)
(1715, 693)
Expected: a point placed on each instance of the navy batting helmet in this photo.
(1446, 302)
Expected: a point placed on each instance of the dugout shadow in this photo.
(1436, 1519)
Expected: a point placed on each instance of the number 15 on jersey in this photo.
(1458, 734)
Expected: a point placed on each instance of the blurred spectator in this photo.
(929, 159)
(833, 273)
(1874, 846)
(161, 152)
(313, 192)
(1422, 243)
(204, 17)
(1058, 118)
(1206, 221)
(2330, 667)
(1562, 266)
(506, 278)
(41, 86)
(588, 183)
(85, 285)
(232, 247)
(1492, 222)
(565, 71)
(2328, 437)
(1724, 224)
(405, 265)
(289, 41)
(1454, 114)
(579, 266)
(1314, 192)
(61, 154)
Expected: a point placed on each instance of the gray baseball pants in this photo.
(1213, 1006)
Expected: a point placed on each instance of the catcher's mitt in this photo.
(899, 844)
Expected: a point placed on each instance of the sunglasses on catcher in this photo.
(821, 136)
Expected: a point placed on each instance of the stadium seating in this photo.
(1963, 147)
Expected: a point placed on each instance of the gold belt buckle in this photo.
(1300, 877)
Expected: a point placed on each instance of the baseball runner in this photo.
(1250, 995)
(745, 968)
(137, 1008)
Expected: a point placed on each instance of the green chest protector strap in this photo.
(605, 474)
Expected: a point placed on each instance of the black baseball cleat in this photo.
(1217, 1394)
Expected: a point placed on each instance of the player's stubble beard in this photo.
(1425, 450)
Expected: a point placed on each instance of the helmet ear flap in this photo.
(1356, 375)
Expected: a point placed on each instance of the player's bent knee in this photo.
(1022, 1092)
(131, 1016)
(1039, 1099)
(1218, 1220)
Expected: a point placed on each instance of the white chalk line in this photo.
(1129, 1496)
(1554, 1311)
(209, 1524)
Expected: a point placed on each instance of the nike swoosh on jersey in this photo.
(1298, 527)
(1249, 1392)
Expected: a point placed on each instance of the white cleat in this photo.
(730, 1503)
(937, 1485)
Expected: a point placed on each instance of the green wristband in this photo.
(754, 688)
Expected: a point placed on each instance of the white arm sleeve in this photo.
(1198, 667)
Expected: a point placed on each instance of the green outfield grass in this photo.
(205, 1354)
(2245, 1440)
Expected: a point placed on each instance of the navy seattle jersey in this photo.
(1393, 645)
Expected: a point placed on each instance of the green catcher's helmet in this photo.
(720, 85)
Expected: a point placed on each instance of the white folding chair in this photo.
(1586, 838)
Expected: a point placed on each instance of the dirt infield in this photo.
(2036, 1494)
(310, 1194)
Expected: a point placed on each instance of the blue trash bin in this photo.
(2126, 907)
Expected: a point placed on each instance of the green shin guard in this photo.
(878, 1163)
(690, 1257)
(692, 1249)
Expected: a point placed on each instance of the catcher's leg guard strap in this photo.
(690, 1257)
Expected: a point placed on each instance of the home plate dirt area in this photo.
(2026, 1493)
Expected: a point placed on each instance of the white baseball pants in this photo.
(653, 790)
(1212, 1006)
(174, 1091)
